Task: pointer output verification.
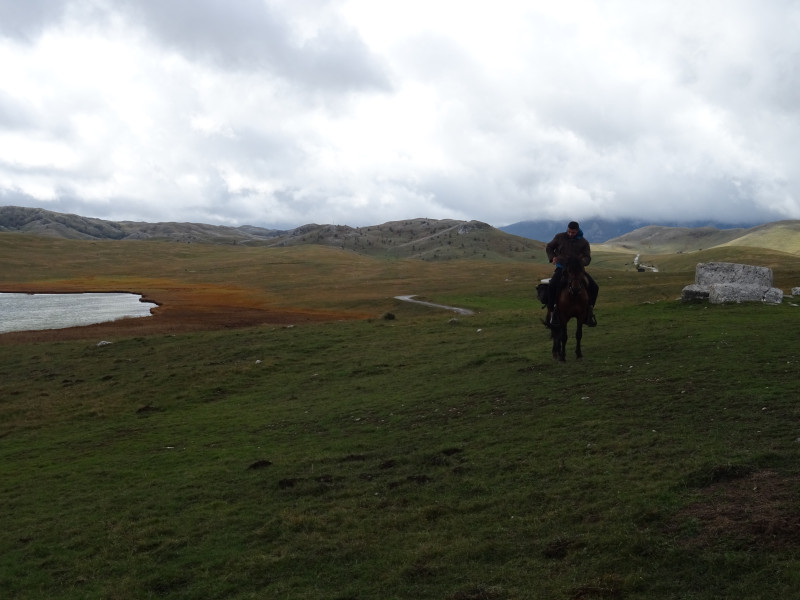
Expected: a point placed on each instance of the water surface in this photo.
(28, 312)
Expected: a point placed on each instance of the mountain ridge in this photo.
(414, 238)
(40, 221)
(600, 231)
(410, 238)
(778, 235)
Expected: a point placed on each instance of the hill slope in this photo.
(780, 235)
(426, 239)
(44, 222)
(599, 231)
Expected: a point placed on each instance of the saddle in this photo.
(543, 293)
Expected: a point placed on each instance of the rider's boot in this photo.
(591, 320)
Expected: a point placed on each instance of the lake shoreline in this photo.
(37, 311)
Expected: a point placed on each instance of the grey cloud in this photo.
(249, 35)
(14, 115)
(66, 203)
(241, 33)
(25, 20)
(435, 59)
(245, 35)
(653, 110)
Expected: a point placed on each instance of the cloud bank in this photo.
(280, 113)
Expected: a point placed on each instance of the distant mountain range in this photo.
(415, 238)
(426, 239)
(599, 231)
(44, 222)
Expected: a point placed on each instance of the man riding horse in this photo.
(563, 246)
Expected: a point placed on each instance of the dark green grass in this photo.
(420, 457)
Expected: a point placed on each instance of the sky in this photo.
(279, 113)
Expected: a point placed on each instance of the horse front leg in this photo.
(555, 334)
(562, 347)
(578, 336)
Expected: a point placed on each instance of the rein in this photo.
(575, 283)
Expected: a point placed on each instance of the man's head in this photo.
(573, 228)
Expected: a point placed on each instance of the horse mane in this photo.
(568, 304)
(575, 264)
(575, 268)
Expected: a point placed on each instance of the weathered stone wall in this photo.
(718, 293)
(721, 282)
(722, 272)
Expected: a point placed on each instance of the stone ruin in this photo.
(720, 282)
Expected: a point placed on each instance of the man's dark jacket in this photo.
(562, 247)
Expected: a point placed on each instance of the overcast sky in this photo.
(356, 112)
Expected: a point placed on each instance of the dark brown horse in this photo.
(573, 302)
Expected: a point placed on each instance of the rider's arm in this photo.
(550, 248)
(587, 255)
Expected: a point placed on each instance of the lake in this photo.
(28, 312)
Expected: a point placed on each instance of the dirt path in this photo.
(461, 311)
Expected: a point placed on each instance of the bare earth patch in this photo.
(756, 511)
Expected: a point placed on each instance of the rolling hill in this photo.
(39, 221)
(599, 231)
(783, 236)
(425, 239)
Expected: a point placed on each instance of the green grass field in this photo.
(425, 456)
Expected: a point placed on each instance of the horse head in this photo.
(575, 276)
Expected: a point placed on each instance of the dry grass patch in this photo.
(756, 511)
(182, 307)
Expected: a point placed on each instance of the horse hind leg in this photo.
(578, 336)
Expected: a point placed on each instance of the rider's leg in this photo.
(555, 288)
(593, 290)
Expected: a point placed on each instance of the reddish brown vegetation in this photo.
(183, 308)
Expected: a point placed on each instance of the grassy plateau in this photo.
(282, 427)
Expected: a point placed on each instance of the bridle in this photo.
(575, 282)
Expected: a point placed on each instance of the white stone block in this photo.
(722, 272)
(719, 293)
(694, 292)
